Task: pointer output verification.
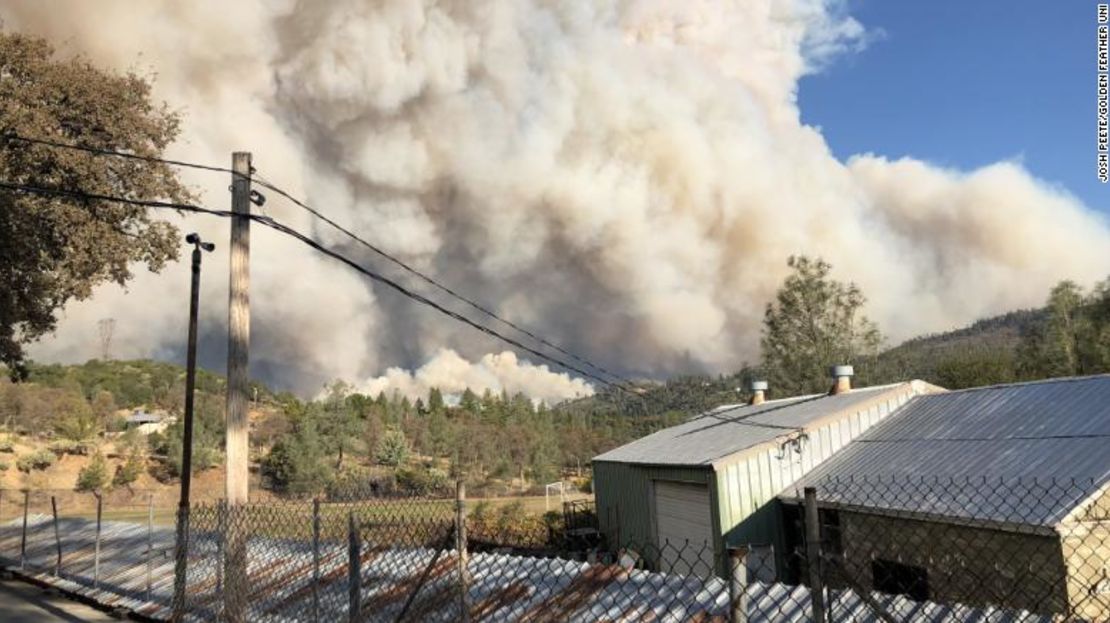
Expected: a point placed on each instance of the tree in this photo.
(77, 422)
(127, 473)
(208, 437)
(393, 448)
(103, 407)
(813, 323)
(435, 400)
(339, 424)
(296, 463)
(1069, 340)
(132, 446)
(57, 248)
(93, 476)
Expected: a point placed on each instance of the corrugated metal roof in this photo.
(733, 428)
(1040, 446)
(503, 587)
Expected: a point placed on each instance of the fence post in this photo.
(181, 562)
(460, 549)
(96, 545)
(149, 544)
(23, 539)
(57, 537)
(813, 556)
(354, 570)
(316, 560)
(221, 521)
(738, 584)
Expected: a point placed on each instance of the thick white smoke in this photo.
(627, 177)
(494, 372)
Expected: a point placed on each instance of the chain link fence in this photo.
(110, 547)
(958, 549)
(890, 549)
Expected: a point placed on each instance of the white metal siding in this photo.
(746, 485)
(684, 527)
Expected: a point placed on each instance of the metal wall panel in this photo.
(749, 484)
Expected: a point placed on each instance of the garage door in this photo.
(684, 528)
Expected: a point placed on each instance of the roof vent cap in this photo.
(759, 392)
(842, 379)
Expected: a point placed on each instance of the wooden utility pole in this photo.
(238, 387)
(238, 331)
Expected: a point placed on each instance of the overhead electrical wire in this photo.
(614, 379)
(118, 154)
(433, 282)
(289, 231)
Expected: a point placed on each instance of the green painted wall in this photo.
(624, 497)
(742, 493)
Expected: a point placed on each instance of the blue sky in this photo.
(963, 84)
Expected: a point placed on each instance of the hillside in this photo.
(502, 442)
(982, 353)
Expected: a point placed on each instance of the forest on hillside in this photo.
(500, 443)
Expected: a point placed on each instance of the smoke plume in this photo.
(627, 177)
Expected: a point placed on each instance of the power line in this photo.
(430, 280)
(269, 222)
(77, 194)
(285, 229)
(118, 154)
(266, 184)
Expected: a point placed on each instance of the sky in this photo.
(625, 178)
(964, 84)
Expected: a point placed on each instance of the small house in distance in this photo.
(992, 495)
(147, 422)
(682, 494)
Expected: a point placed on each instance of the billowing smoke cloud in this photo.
(626, 176)
(496, 372)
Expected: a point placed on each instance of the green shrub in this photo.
(393, 448)
(585, 484)
(4, 465)
(129, 471)
(93, 476)
(7, 444)
(509, 525)
(117, 424)
(39, 459)
(423, 481)
(157, 442)
(297, 465)
(62, 447)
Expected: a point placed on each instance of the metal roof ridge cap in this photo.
(733, 457)
(891, 392)
(1059, 379)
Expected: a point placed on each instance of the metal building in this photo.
(682, 494)
(1007, 481)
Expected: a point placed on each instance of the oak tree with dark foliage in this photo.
(57, 249)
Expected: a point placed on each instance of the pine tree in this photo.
(93, 476)
(815, 322)
(393, 448)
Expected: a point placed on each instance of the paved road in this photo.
(21, 602)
